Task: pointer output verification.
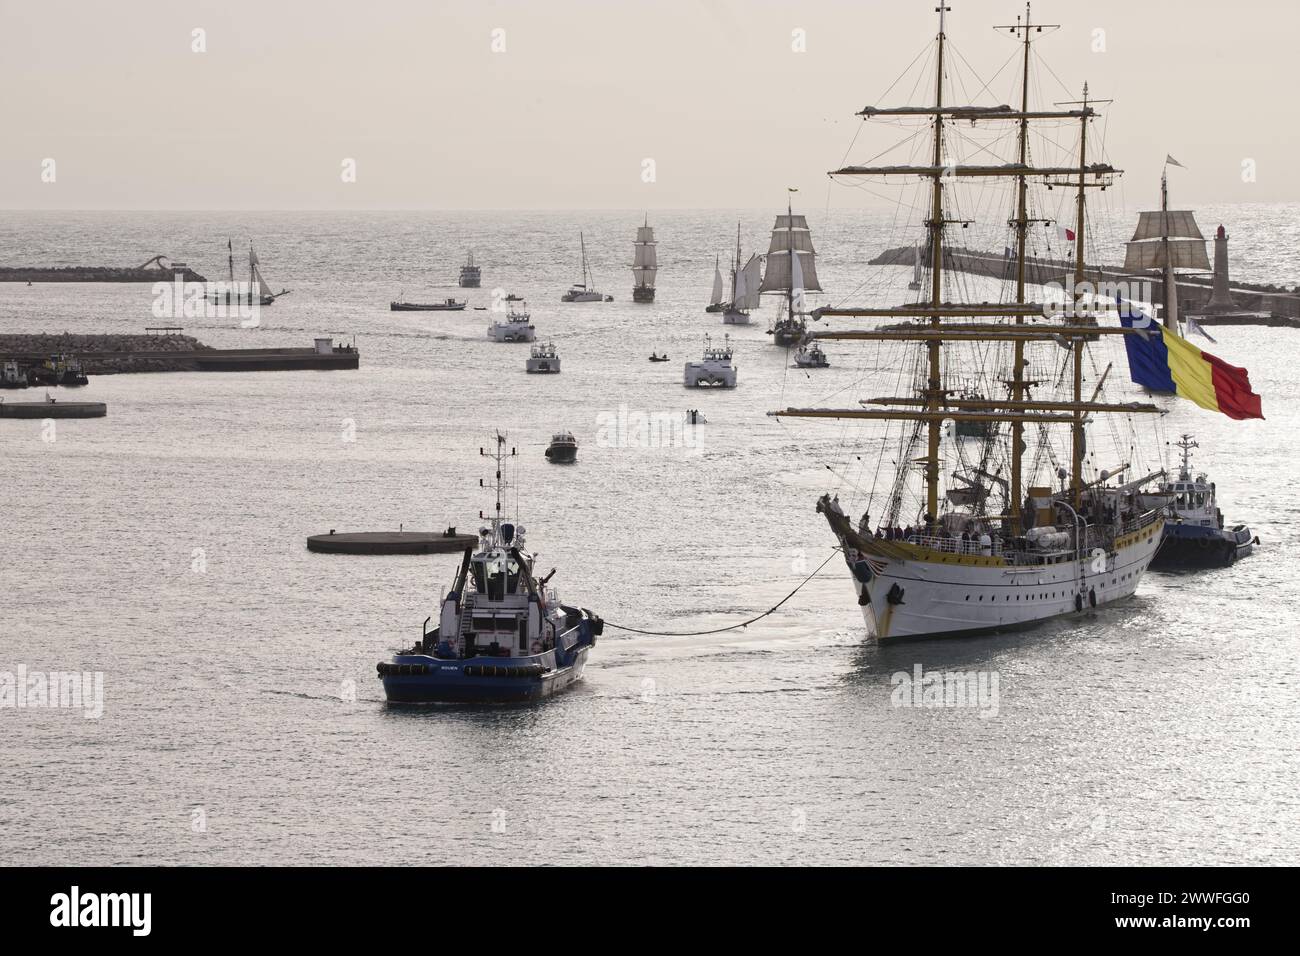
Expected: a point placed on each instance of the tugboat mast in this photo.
(499, 482)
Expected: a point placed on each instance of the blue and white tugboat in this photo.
(1195, 536)
(502, 636)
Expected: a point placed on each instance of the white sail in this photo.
(716, 297)
(1179, 224)
(262, 287)
(748, 284)
(796, 285)
(916, 265)
(1182, 254)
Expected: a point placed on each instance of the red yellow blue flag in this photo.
(1164, 361)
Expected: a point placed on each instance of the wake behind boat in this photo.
(503, 636)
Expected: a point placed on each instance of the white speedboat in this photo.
(810, 355)
(518, 327)
(543, 360)
(715, 368)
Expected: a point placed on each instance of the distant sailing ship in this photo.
(791, 271)
(583, 291)
(980, 559)
(256, 286)
(744, 288)
(1164, 242)
(471, 276)
(915, 284)
(645, 264)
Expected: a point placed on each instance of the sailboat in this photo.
(715, 298)
(645, 263)
(792, 271)
(915, 284)
(744, 288)
(1164, 242)
(257, 286)
(951, 568)
(582, 291)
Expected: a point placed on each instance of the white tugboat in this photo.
(518, 327)
(583, 291)
(1021, 552)
(1195, 535)
(502, 636)
(715, 369)
(543, 360)
(810, 355)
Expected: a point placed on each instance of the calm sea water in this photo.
(243, 723)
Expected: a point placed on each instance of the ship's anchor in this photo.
(895, 595)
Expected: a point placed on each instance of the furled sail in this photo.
(716, 297)
(790, 232)
(748, 284)
(645, 262)
(1183, 254)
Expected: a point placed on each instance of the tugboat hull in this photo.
(1192, 546)
(422, 678)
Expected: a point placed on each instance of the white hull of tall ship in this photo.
(907, 589)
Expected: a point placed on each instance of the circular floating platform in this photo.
(53, 409)
(391, 542)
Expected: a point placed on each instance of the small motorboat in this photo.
(810, 355)
(447, 305)
(13, 377)
(544, 360)
(518, 327)
(563, 449)
(655, 357)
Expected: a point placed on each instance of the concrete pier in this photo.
(55, 409)
(112, 354)
(391, 542)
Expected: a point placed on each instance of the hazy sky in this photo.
(583, 93)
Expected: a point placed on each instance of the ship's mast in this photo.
(1076, 430)
(735, 267)
(789, 236)
(499, 482)
(934, 394)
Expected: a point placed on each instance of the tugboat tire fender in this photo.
(1092, 597)
(1078, 602)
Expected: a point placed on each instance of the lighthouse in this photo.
(1220, 299)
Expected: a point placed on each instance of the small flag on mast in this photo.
(1170, 161)
(1065, 233)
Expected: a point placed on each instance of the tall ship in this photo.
(1029, 528)
(745, 284)
(585, 291)
(645, 263)
(256, 289)
(791, 271)
(1164, 242)
(471, 276)
(503, 636)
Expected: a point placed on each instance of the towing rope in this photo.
(729, 627)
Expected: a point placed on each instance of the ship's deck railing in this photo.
(950, 545)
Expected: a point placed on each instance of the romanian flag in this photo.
(1164, 361)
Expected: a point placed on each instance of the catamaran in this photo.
(583, 291)
(714, 369)
(1004, 551)
(791, 271)
(645, 263)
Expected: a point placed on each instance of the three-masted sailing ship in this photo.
(1164, 242)
(645, 263)
(791, 271)
(995, 551)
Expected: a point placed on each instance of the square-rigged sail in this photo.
(790, 238)
(645, 261)
(1166, 239)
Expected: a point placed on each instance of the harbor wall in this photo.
(114, 354)
(94, 274)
